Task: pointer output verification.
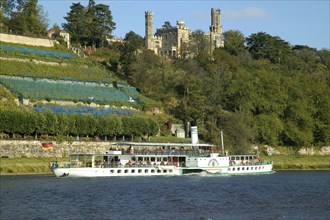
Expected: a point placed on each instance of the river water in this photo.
(281, 195)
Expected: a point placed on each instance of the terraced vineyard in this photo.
(38, 62)
(44, 52)
(69, 72)
(84, 110)
(29, 88)
(40, 73)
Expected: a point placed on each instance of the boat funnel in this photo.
(194, 133)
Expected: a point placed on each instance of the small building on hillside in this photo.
(55, 33)
(178, 130)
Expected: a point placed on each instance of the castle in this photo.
(169, 41)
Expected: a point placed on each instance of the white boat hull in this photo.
(159, 171)
(110, 172)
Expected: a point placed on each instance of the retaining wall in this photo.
(9, 38)
(31, 148)
(11, 149)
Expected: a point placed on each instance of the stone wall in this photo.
(31, 148)
(324, 151)
(12, 149)
(9, 38)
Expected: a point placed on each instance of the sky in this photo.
(299, 22)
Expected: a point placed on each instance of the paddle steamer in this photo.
(164, 159)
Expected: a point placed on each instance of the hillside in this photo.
(265, 93)
(55, 86)
(37, 73)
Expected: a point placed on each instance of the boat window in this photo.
(159, 171)
(146, 171)
(126, 171)
(250, 157)
(228, 169)
(242, 168)
(146, 159)
(164, 171)
(262, 167)
(164, 158)
(132, 171)
(152, 171)
(112, 171)
(152, 159)
(233, 168)
(159, 159)
(171, 171)
(238, 169)
(140, 158)
(139, 171)
(247, 168)
(255, 168)
(242, 158)
(259, 168)
(118, 171)
(237, 158)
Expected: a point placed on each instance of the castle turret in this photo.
(149, 18)
(215, 30)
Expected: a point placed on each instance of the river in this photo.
(281, 195)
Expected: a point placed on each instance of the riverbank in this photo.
(40, 165)
(306, 162)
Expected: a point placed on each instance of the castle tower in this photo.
(215, 30)
(149, 19)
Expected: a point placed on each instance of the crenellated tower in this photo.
(215, 30)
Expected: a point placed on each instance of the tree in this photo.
(36, 19)
(133, 42)
(298, 114)
(234, 42)
(104, 23)
(198, 42)
(76, 23)
(28, 19)
(91, 25)
(237, 130)
(264, 46)
(7, 7)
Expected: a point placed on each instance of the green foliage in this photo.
(266, 93)
(234, 42)
(128, 51)
(6, 97)
(89, 25)
(264, 46)
(24, 122)
(24, 18)
(198, 43)
(255, 95)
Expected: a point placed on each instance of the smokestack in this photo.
(194, 133)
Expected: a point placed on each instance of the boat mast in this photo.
(222, 145)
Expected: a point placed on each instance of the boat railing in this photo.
(57, 164)
(116, 165)
(170, 153)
